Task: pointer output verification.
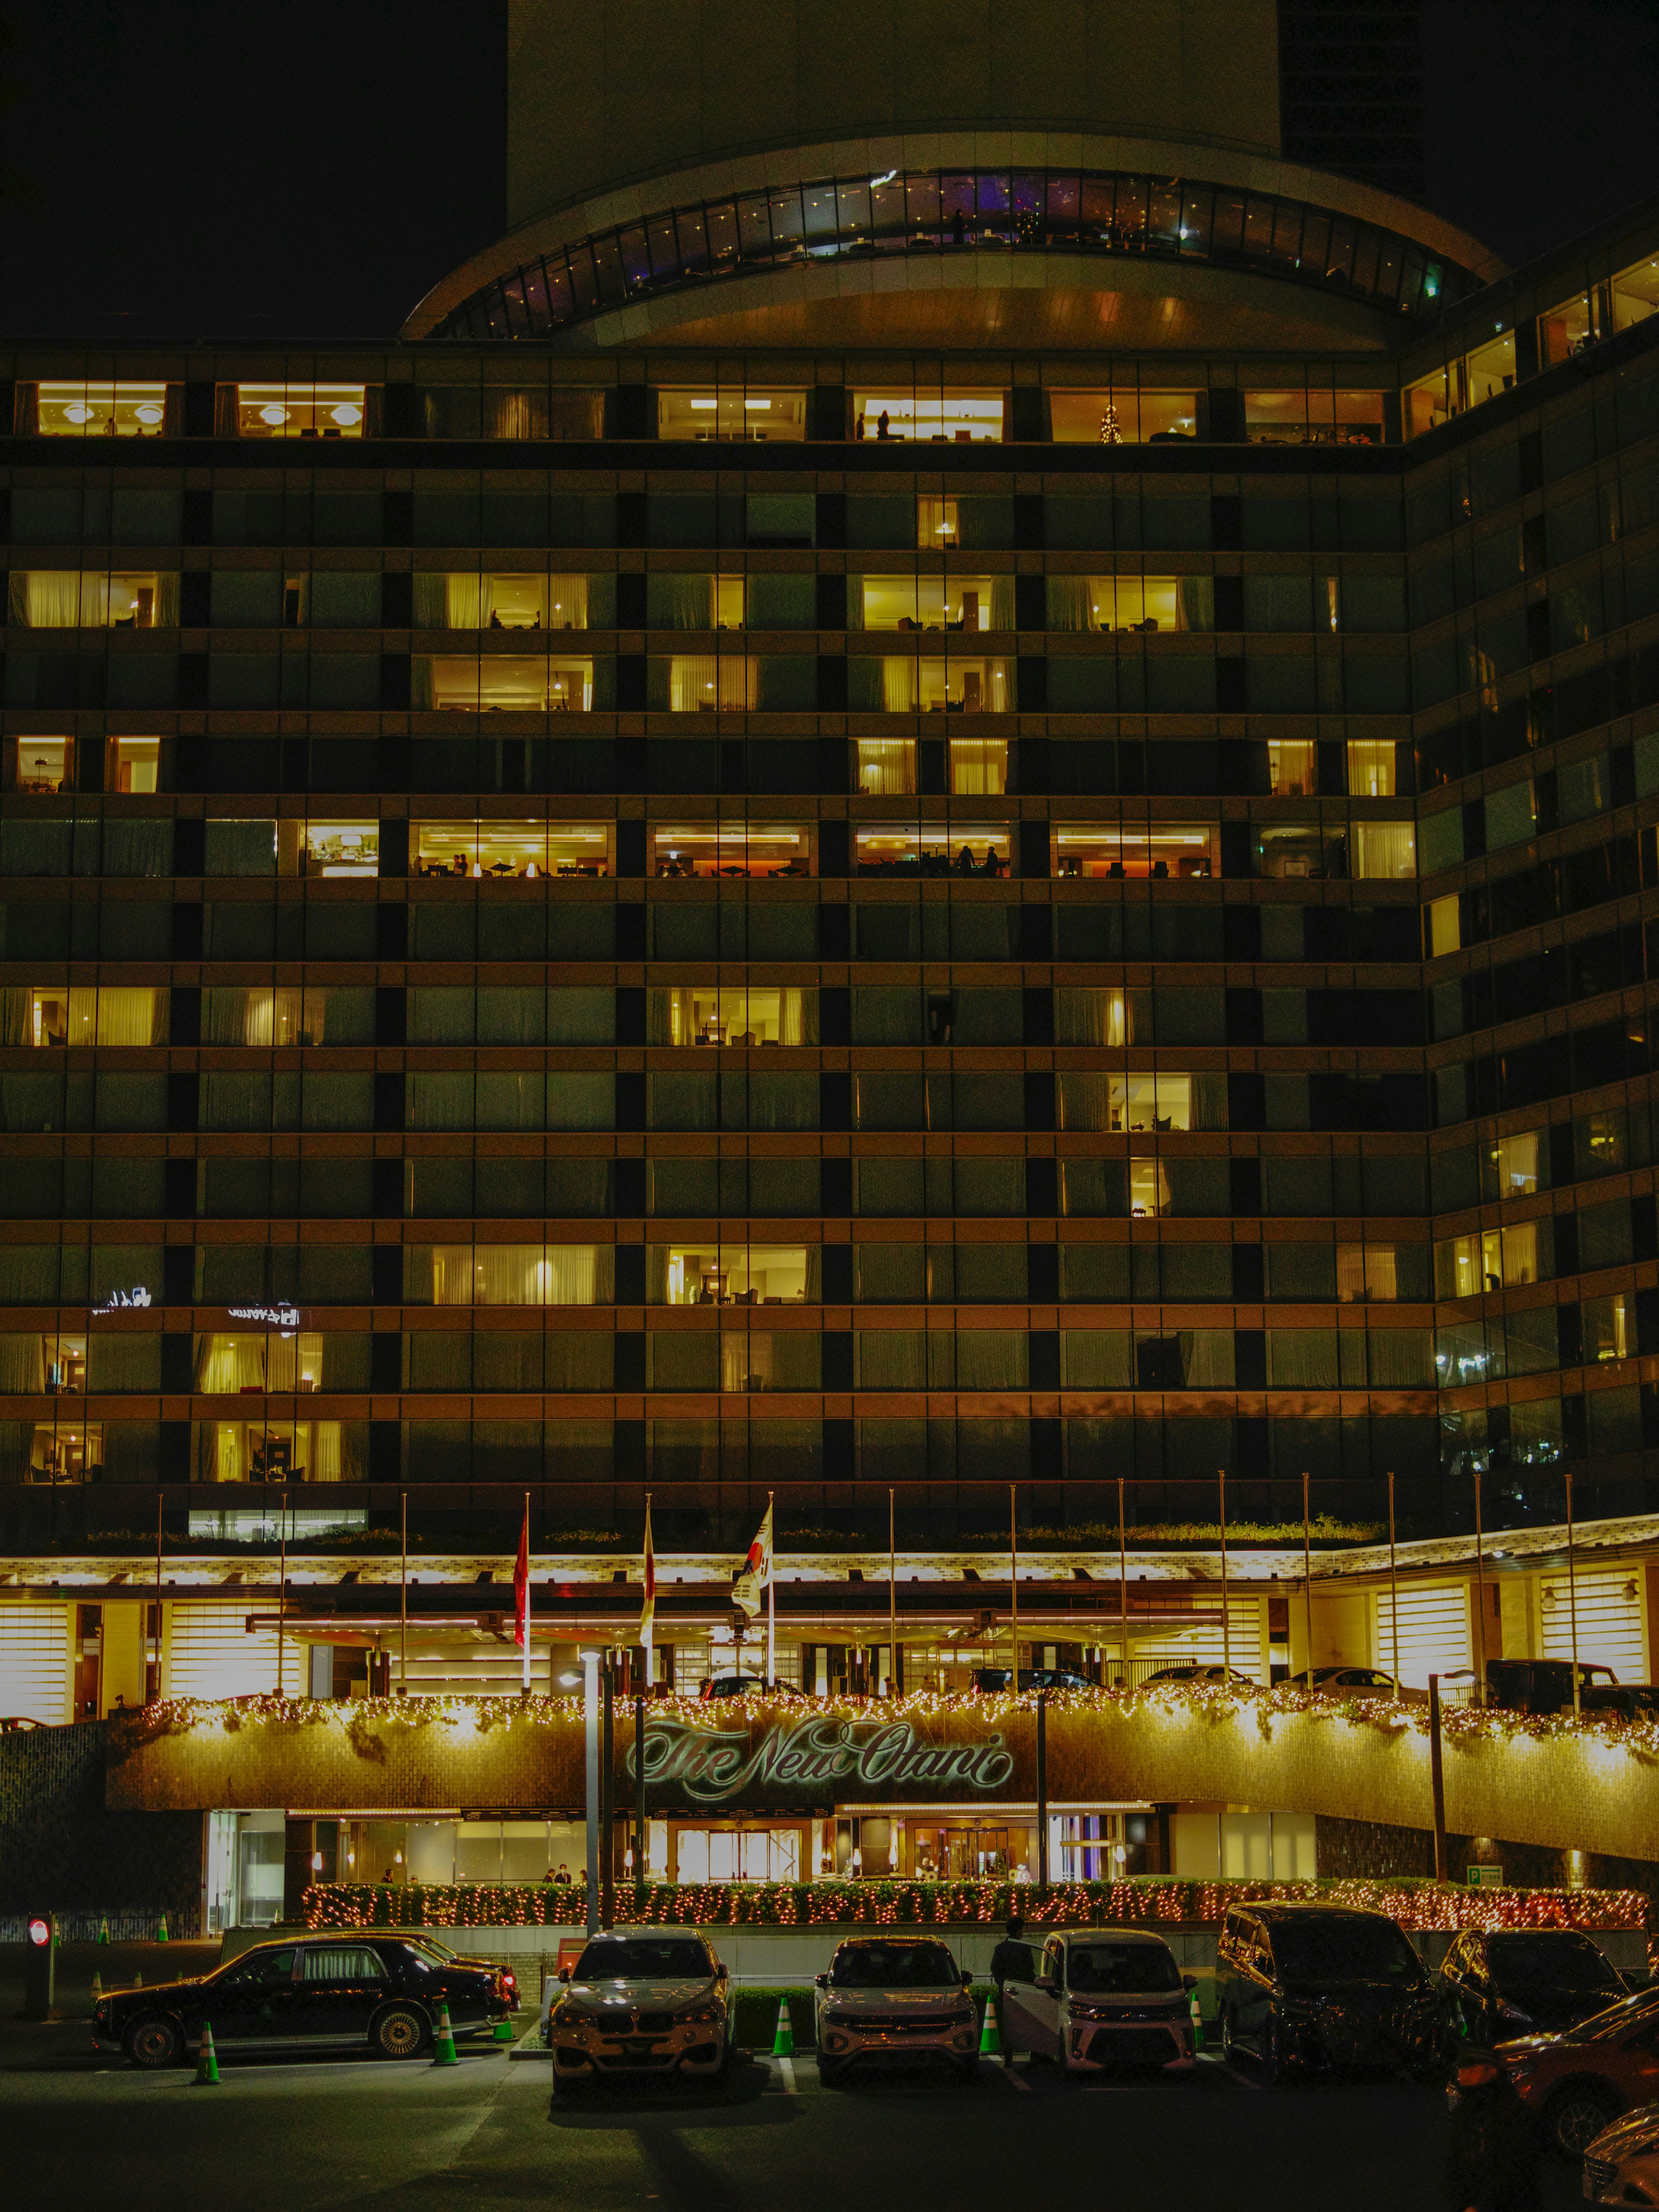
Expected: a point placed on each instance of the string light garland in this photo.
(1416, 1904)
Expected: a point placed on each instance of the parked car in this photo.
(342, 1992)
(1195, 1673)
(1031, 1678)
(746, 1685)
(1544, 1686)
(16, 1723)
(894, 1998)
(1348, 1682)
(1103, 1998)
(1580, 2080)
(641, 2001)
(1635, 1700)
(1309, 1987)
(1621, 2165)
(1511, 1982)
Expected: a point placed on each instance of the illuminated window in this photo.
(497, 850)
(929, 686)
(1142, 850)
(342, 848)
(92, 599)
(135, 764)
(711, 684)
(731, 849)
(887, 767)
(1635, 294)
(65, 1452)
(936, 603)
(1445, 931)
(1303, 416)
(1365, 1272)
(270, 1451)
(1487, 1260)
(1292, 771)
(1512, 1166)
(301, 410)
(730, 411)
(43, 763)
(1115, 418)
(957, 849)
(936, 523)
(1609, 1325)
(503, 684)
(714, 1273)
(1371, 768)
(511, 1275)
(1491, 369)
(940, 418)
(1131, 605)
(94, 410)
(276, 1360)
(1432, 400)
(462, 600)
(83, 1014)
(740, 1014)
(979, 767)
(1149, 1187)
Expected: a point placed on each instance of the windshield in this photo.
(1619, 2018)
(645, 1959)
(430, 1947)
(1557, 1961)
(893, 1966)
(1343, 1950)
(1118, 1966)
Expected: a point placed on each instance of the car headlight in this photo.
(702, 2014)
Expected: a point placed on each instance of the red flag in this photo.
(755, 1575)
(521, 1587)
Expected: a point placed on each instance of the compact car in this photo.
(1307, 1988)
(745, 1686)
(888, 1998)
(1192, 1673)
(1103, 1998)
(1506, 1982)
(378, 1993)
(1347, 1681)
(1031, 1678)
(1580, 2080)
(1621, 2165)
(651, 2001)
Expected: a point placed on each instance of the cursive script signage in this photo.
(817, 1763)
(272, 1316)
(138, 1296)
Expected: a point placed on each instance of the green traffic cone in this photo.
(207, 2063)
(503, 2031)
(103, 1931)
(990, 2043)
(161, 1929)
(443, 2052)
(1197, 2023)
(783, 2038)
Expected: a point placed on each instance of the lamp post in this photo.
(1227, 1655)
(1436, 1780)
(1572, 1603)
(591, 1718)
(1307, 1579)
(1393, 1585)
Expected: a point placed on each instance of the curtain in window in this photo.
(892, 1359)
(16, 1021)
(128, 1016)
(1207, 1358)
(510, 1101)
(135, 846)
(23, 1365)
(582, 1102)
(683, 1101)
(900, 686)
(891, 1274)
(990, 1359)
(510, 1014)
(679, 602)
(422, 687)
(1091, 1016)
(887, 766)
(226, 1364)
(34, 848)
(979, 767)
(1302, 1359)
(165, 611)
(577, 1359)
(46, 599)
(443, 1014)
(323, 1459)
(1401, 1358)
(497, 1275)
(1084, 1100)
(28, 1274)
(1096, 1359)
(431, 600)
(576, 1275)
(464, 601)
(1209, 1102)
(1386, 849)
(693, 683)
(240, 1100)
(1002, 603)
(439, 1102)
(1195, 603)
(241, 848)
(1070, 599)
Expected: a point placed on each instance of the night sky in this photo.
(309, 170)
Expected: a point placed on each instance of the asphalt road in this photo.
(312, 2135)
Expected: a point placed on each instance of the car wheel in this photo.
(154, 2042)
(1229, 2048)
(1270, 2062)
(1577, 2115)
(829, 2072)
(399, 2032)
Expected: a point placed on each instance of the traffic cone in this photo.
(103, 1931)
(207, 2063)
(161, 1929)
(443, 2053)
(1197, 2023)
(503, 2031)
(783, 2036)
(990, 2043)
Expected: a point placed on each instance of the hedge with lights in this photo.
(1412, 1904)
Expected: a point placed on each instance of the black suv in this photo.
(1309, 1987)
(378, 1993)
(1505, 1982)
(1031, 1678)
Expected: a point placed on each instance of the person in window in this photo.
(562, 1877)
(958, 228)
(1010, 1962)
(965, 861)
(882, 425)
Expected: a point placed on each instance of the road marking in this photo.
(787, 2067)
(1226, 2066)
(1015, 2081)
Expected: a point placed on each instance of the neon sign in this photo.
(722, 1767)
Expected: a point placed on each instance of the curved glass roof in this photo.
(1110, 213)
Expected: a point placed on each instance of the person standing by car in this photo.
(1010, 1962)
(1493, 2162)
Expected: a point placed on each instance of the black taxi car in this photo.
(347, 1992)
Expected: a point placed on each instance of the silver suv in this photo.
(894, 1997)
(641, 2001)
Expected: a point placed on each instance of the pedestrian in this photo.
(564, 1874)
(1493, 2157)
(1010, 1962)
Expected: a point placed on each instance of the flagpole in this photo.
(771, 1596)
(648, 1600)
(526, 1593)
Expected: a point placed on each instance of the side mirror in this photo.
(564, 1973)
(967, 1981)
(720, 1971)
(821, 1981)
(1189, 1982)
